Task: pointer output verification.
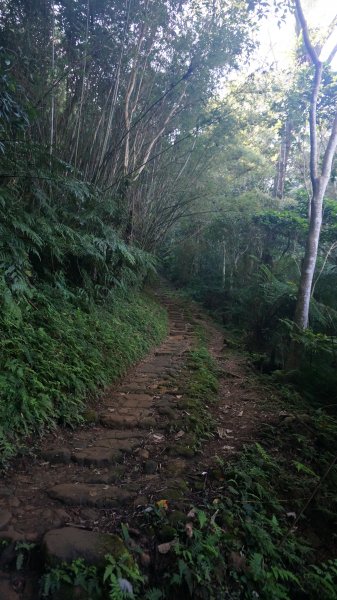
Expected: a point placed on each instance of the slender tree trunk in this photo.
(319, 180)
(310, 257)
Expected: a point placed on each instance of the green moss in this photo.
(55, 351)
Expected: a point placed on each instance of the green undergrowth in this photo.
(55, 351)
(261, 526)
(198, 384)
(246, 538)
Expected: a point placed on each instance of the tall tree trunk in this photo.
(310, 257)
(319, 180)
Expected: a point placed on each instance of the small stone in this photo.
(150, 467)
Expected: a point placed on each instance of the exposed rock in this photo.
(69, 543)
(87, 494)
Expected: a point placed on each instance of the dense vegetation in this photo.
(136, 135)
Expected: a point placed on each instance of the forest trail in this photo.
(134, 453)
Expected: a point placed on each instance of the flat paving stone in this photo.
(115, 420)
(86, 494)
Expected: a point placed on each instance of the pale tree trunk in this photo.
(310, 257)
(320, 177)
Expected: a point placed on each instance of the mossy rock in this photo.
(90, 416)
(70, 543)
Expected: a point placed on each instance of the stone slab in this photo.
(86, 494)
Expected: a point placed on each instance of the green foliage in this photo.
(72, 574)
(54, 352)
(200, 386)
(118, 579)
(122, 577)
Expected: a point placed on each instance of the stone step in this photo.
(97, 456)
(90, 494)
(117, 420)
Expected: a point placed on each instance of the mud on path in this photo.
(131, 454)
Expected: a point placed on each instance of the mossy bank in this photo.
(55, 352)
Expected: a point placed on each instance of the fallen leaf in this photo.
(163, 504)
(240, 413)
(228, 447)
(192, 514)
(189, 530)
(178, 397)
(180, 434)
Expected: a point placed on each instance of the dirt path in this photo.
(97, 476)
